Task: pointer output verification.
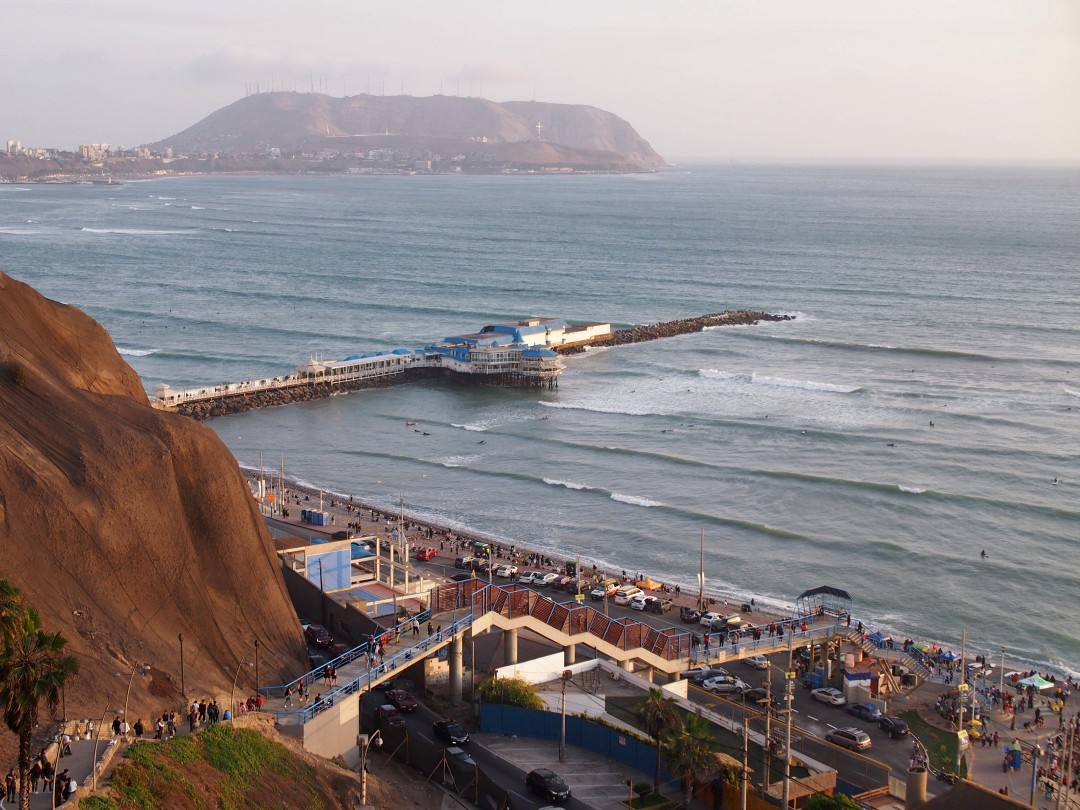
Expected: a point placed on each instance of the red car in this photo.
(426, 553)
(401, 700)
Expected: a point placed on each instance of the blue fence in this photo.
(607, 742)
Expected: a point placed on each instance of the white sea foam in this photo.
(18, 232)
(912, 490)
(457, 461)
(165, 198)
(198, 208)
(133, 231)
(1072, 392)
(568, 484)
(136, 352)
(602, 406)
(807, 385)
(717, 374)
(634, 500)
(479, 427)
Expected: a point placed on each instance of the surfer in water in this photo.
(983, 553)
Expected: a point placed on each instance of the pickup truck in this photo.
(657, 604)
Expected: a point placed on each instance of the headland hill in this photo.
(289, 133)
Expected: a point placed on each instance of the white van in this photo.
(626, 593)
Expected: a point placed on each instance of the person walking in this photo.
(288, 696)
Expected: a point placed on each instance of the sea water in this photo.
(916, 412)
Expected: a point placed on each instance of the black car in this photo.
(450, 731)
(894, 726)
(689, 615)
(548, 785)
(759, 695)
(462, 577)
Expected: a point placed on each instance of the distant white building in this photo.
(94, 151)
(14, 147)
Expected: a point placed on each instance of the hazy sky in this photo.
(745, 79)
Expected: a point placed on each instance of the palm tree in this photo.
(33, 667)
(691, 753)
(658, 715)
(11, 608)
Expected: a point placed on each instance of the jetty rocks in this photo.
(655, 331)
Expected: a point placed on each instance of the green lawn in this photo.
(940, 744)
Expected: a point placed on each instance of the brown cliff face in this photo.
(125, 526)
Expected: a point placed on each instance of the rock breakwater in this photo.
(655, 331)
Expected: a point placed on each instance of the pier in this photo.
(525, 353)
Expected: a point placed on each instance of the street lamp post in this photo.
(232, 691)
(137, 666)
(97, 739)
(183, 684)
(566, 675)
(365, 741)
(1001, 679)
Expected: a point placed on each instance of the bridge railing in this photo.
(374, 674)
(359, 651)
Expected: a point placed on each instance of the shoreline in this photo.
(766, 610)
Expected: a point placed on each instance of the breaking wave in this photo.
(912, 490)
(457, 461)
(634, 500)
(778, 382)
(568, 484)
(136, 352)
(135, 231)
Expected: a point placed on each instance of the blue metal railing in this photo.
(374, 674)
(308, 678)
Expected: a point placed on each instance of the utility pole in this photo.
(745, 757)
(963, 688)
(768, 725)
(789, 677)
(183, 686)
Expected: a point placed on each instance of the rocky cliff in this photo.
(310, 122)
(126, 526)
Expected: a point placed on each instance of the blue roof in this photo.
(538, 353)
(401, 351)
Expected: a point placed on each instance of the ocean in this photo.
(923, 406)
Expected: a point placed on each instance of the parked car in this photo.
(689, 615)
(849, 737)
(757, 662)
(387, 715)
(865, 711)
(426, 553)
(893, 726)
(604, 589)
(401, 700)
(707, 619)
(450, 731)
(506, 571)
(658, 604)
(725, 685)
(699, 676)
(465, 561)
(343, 534)
(318, 636)
(639, 601)
(626, 593)
(826, 694)
(528, 577)
(548, 785)
(461, 577)
(544, 580)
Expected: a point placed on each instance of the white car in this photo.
(543, 580)
(725, 684)
(624, 595)
(639, 602)
(826, 694)
(528, 577)
(506, 571)
(757, 662)
(708, 618)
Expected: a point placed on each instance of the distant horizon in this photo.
(969, 80)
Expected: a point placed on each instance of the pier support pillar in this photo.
(569, 654)
(628, 665)
(510, 647)
(454, 658)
